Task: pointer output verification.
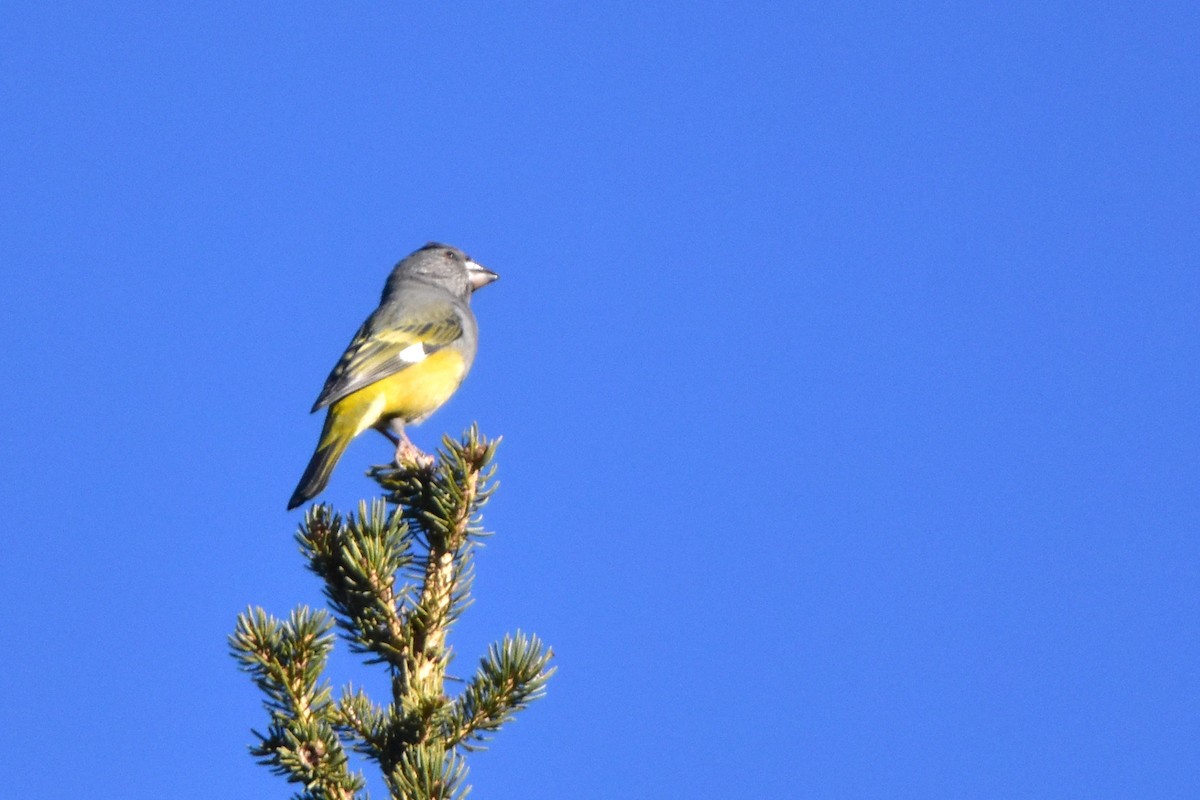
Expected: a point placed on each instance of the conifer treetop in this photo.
(397, 575)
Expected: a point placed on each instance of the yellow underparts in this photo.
(411, 393)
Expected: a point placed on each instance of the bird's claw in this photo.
(406, 451)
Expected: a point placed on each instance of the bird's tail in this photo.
(330, 447)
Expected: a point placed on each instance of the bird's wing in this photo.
(384, 346)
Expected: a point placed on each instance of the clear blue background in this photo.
(846, 359)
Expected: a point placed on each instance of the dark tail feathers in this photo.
(317, 473)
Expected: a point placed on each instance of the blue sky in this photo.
(845, 355)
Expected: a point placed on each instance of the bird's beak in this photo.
(479, 275)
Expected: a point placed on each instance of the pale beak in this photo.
(479, 275)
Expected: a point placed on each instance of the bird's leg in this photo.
(393, 429)
(405, 449)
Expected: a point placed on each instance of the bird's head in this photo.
(444, 266)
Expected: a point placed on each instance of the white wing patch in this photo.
(413, 354)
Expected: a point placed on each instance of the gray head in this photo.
(441, 265)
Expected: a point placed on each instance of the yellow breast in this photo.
(410, 394)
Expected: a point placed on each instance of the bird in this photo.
(410, 355)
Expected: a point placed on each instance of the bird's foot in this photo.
(407, 452)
